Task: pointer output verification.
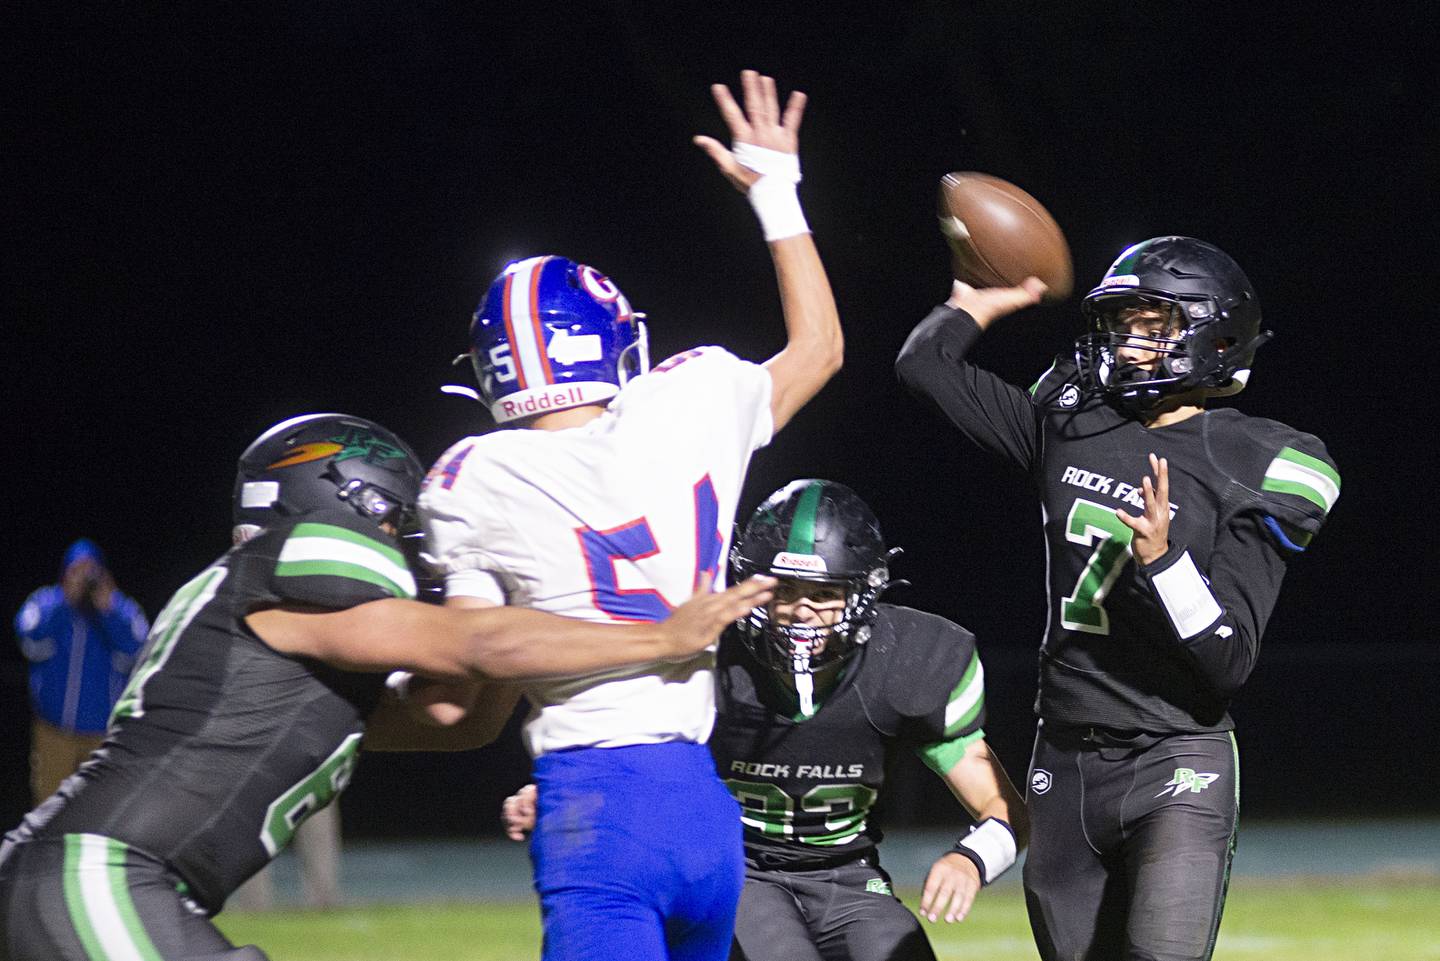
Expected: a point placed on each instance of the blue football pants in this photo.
(637, 853)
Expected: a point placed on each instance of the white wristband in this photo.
(992, 844)
(777, 206)
(773, 196)
(1187, 597)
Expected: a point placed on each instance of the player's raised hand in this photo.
(1152, 528)
(759, 125)
(988, 304)
(694, 625)
(950, 888)
(518, 813)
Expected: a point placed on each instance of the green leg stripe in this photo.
(120, 891)
(99, 902)
(75, 900)
(1229, 851)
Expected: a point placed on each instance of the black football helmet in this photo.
(1213, 333)
(820, 531)
(320, 460)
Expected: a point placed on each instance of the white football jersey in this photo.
(611, 521)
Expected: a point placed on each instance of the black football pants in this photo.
(845, 913)
(1130, 845)
(84, 897)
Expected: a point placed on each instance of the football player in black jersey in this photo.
(818, 693)
(1168, 528)
(247, 706)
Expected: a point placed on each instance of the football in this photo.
(999, 235)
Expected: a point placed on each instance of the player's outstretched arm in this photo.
(499, 643)
(764, 165)
(980, 783)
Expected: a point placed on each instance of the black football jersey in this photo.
(808, 786)
(1161, 647)
(220, 746)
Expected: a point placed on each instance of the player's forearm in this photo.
(979, 782)
(934, 348)
(513, 644)
(815, 345)
(1218, 630)
(989, 411)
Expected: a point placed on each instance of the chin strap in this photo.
(805, 687)
(804, 681)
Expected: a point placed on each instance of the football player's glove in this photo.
(552, 334)
(1213, 333)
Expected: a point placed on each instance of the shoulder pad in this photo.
(445, 472)
(711, 355)
(334, 559)
(924, 656)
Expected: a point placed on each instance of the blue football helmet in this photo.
(552, 334)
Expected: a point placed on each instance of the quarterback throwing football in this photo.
(1168, 529)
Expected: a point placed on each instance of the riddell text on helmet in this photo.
(570, 397)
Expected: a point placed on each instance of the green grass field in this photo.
(1351, 920)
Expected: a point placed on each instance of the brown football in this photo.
(999, 235)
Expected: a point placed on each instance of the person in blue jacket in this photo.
(80, 637)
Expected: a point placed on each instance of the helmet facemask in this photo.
(1192, 352)
(804, 650)
(823, 543)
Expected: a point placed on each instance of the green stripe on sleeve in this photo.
(1314, 463)
(329, 550)
(312, 529)
(1297, 473)
(942, 756)
(341, 569)
(967, 700)
(1297, 489)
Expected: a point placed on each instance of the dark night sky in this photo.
(219, 215)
